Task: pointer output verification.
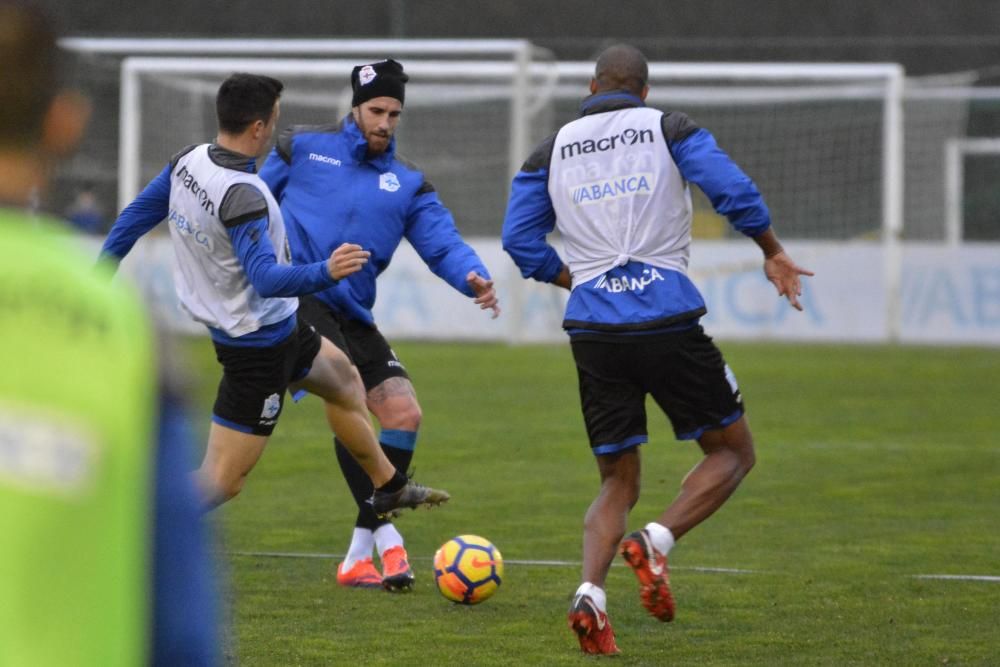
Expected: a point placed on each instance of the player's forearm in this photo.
(455, 265)
(564, 279)
(530, 218)
(145, 212)
(269, 278)
(432, 232)
(281, 280)
(768, 243)
(732, 193)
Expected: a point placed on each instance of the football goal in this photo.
(823, 141)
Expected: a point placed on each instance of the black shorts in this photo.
(364, 345)
(254, 380)
(683, 371)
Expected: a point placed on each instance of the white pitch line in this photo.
(572, 563)
(551, 563)
(959, 577)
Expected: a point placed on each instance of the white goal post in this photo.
(954, 175)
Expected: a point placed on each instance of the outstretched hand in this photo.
(347, 259)
(784, 275)
(486, 296)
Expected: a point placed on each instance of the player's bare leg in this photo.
(607, 518)
(729, 456)
(394, 404)
(334, 379)
(603, 527)
(229, 458)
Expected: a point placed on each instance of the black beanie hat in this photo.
(382, 79)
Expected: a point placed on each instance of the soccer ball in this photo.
(468, 569)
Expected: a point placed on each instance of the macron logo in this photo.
(326, 159)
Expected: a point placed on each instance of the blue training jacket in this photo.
(331, 193)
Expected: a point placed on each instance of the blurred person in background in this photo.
(84, 213)
(233, 275)
(615, 182)
(346, 182)
(105, 559)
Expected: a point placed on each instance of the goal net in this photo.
(468, 123)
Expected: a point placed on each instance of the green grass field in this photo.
(875, 464)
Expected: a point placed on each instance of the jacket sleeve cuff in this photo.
(551, 269)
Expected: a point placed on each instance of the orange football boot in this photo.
(362, 575)
(396, 573)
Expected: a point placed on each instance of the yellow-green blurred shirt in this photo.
(77, 386)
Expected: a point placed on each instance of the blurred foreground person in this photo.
(615, 184)
(105, 559)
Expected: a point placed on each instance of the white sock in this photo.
(596, 594)
(387, 537)
(362, 543)
(661, 537)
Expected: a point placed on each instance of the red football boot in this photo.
(592, 627)
(650, 567)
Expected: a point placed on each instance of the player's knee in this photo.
(229, 492)
(746, 456)
(223, 488)
(742, 461)
(413, 416)
(231, 487)
(632, 494)
(624, 489)
(737, 442)
(748, 459)
(405, 417)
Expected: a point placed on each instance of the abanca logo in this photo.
(612, 188)
(628, 283)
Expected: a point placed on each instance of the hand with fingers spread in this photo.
(784, 275)
(348, 258)
(486, 295)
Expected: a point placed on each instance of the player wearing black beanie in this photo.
(382, 79)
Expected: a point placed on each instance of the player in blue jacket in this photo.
(346, 181)
(616, 183)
